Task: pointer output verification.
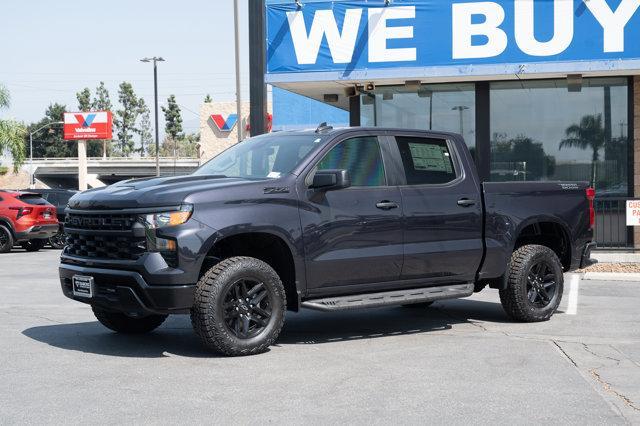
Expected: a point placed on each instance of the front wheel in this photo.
(33, 245)
(124, 324)
(239, 307)
(535, 285)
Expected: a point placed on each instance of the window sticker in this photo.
(429, 157)
(274, 175)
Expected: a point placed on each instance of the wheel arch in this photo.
(268, 246)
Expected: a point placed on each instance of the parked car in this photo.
(26, 219)
(59, 198)
(327, 220)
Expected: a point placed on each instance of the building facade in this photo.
(540, 89)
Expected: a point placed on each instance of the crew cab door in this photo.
(442, 211)
(352, 236)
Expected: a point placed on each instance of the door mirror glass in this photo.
(331, 180)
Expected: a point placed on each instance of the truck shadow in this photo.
(176, 338)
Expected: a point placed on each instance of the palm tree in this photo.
(588, 134)
(12, 133)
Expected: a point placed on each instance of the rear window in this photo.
(426, 161)
(33, 199)
(63, 198)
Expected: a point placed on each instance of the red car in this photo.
(26, 219)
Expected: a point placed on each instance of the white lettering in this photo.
(379, 33)
(324, 23)
(464, 30)
(613, 23)
(525, 28)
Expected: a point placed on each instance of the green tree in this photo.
(49, 142)
(144, 130)
(187, 147)
(84, 100)
(207, 99)
(172, 118)
(588, 134)
(102, 102)
(11, 133)
(125, 118)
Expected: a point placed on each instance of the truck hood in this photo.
(150, 192)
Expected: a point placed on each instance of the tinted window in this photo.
(51, 198)
(361, 157)
(63, 198)
(426, 161)
(33, 199)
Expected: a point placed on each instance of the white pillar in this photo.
(82, 165)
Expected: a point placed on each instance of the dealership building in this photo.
(540, 89)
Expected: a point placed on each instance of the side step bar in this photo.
(401, 297)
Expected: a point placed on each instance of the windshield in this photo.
(260, 157)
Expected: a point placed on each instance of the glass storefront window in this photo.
(444, 107)
(542, 131)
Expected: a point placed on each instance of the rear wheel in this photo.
(122, 323)
(535, 285)
(58, 241)
(239, 307)
(33, 245)
(6, 239)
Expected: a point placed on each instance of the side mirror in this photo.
(329, 180)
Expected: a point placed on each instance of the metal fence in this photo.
(611, 224)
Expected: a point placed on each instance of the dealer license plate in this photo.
(82, 286)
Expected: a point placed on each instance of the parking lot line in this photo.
(574, 285)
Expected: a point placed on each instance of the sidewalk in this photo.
(614, 266)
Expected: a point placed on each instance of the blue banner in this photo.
(352, 39)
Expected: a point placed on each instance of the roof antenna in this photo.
(387, 2)
(299, 4)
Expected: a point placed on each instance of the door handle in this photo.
(386, 205)
(465, 202)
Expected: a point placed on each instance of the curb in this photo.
(610, 276)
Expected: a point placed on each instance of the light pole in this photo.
(461, 109)
(32, 182)
(236, 20)
(155, 94)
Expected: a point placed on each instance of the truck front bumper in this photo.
(127, 292)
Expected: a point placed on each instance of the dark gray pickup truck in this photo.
(328, 219)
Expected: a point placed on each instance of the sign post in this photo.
(84, 126)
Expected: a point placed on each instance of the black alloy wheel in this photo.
(247, 308)
(541, 284)
(6, 240)
(58, 241)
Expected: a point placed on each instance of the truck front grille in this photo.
(105, 236)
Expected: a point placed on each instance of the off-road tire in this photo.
(208, 313)
(124, 324)
(7, 237)
(420, 305)
(33, 245)
(514, 298)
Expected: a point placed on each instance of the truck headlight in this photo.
(165, 219)
(167, 247)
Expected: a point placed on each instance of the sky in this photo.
(49, 50)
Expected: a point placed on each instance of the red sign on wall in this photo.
(88, 125)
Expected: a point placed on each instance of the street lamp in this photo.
(32, 181)
(461, 109)
(155, 94)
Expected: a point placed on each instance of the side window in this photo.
(52, 198)
(426, 161)
(361, 157)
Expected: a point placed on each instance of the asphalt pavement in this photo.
(458, 362)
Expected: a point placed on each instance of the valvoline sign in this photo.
(224, 125)
(365, 39)
(88, 125)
